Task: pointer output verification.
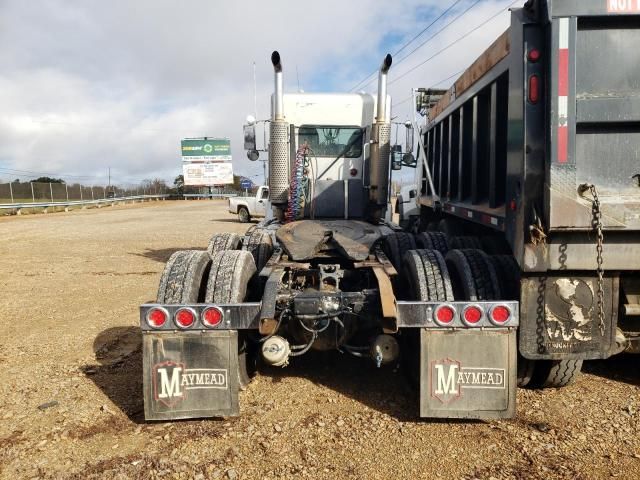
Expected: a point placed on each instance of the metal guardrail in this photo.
(22, 205)
(209, 195)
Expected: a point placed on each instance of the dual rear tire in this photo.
(194, 276)
(471, 274)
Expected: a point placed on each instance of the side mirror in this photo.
(396, 157)
(409, 141)
(249, 137)
(408, 160)
(253, 155)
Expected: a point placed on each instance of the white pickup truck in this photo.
(247, 207)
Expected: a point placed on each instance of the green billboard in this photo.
(216, 149)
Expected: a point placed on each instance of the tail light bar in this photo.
(243, 316)
(199, 317)
(457, 315)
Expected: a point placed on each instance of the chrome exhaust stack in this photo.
(380, 148)
(279, 165)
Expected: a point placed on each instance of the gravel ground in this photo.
(70, 382)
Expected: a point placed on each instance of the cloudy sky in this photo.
(91, 84)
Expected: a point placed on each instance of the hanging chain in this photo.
(596, 223)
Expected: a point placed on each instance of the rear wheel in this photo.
(465, 242)
(396, 245)
(229, 276)
(182, 280)
(433, 241)
(259, 244)
(223, 241)
(473, 275)
(555, 373)
(508, 273)
(427, 279)
(243, 215)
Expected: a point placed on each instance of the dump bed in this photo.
(551, 108)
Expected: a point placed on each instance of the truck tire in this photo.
(223, 241)
(555, 373)
(495, 245)
(426, 278)
(508, 272)
(465, 242)
(509, 277)
(229, 276)
(426, 275)
(451, 227)
(243, 215)
(473, 275)
(396, 245)
(183, 278)
(259, 244)
(433, 241)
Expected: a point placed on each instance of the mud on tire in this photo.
(223, 241)
(183, 277)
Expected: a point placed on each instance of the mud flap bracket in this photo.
(190, 374)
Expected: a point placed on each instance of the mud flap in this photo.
(190, 374)
(468, 373)
(560, 319)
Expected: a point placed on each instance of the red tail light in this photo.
(500, 314)
(444, 314)
(534, 89)
(472, 315)
(185, 317)
(157, 317)
(534, 55)
(211, 317)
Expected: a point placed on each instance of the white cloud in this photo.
(91, 84)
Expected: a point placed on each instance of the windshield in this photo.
(327, 141)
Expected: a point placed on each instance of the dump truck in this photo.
(521, 262)
(531, 160)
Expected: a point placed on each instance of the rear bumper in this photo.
(247, 316)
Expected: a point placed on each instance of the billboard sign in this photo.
(217, 149)
(206, 161)
(207, 174)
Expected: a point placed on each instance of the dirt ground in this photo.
(71, 382)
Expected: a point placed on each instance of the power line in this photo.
(410, 41)
(464, 12)
(453, 43)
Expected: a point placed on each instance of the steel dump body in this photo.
(551, 109)
(501, 160)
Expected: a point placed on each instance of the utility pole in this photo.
(109, 173)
